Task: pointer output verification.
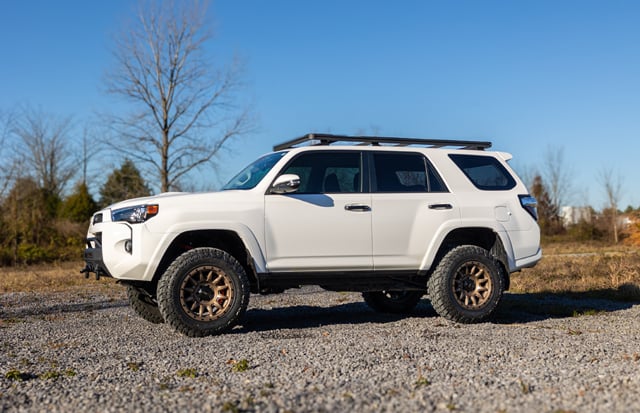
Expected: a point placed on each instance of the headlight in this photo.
(135, 214)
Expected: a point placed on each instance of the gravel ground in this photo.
(310, 350)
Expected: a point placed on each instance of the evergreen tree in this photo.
(25, 218)
(548, 214)
(79, 206)
(123, 183)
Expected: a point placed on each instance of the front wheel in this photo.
(204, 292)
(467, 285)
(396, 302)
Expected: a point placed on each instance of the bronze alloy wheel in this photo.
(467, 284)
(472, 285)
(206, 293)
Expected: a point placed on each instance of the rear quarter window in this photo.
(485, 172)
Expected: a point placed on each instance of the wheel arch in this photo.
(226, 240)
(483, 237)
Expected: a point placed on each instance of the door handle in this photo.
(440, 206)
(357, 207)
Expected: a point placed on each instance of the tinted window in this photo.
(485, 172)
(405, 172)
(326, 172)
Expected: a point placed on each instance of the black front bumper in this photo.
(93, 260)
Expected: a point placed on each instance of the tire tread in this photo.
(438, 285)
(144, 309)
(168, 282)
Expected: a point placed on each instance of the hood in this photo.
(183, 198)
(147, 199)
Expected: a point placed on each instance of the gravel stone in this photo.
(318, 351)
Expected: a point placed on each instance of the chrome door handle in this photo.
(440, 206)
(357, 207)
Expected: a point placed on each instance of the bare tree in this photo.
(184, 109)
(612, 186)
(45, 149)
(557, 176)
(7, 164)
(11, 166)
(90, 146)
(527, 173)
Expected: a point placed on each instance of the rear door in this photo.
(410, 203)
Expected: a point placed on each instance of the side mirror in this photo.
(285, 184)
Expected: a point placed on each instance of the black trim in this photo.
(411, 280)
(327, 139)
(93, 259)
(440, 206)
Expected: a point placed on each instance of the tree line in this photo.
(552, 189)
(45, 201)
(180, 107)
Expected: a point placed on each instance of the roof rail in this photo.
(327, 139)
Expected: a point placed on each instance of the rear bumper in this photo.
(529, 262)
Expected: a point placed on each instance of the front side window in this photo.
(249, 177)
(405, 172)
(485, 172)
(327, 172)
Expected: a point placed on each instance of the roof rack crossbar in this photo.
(327, 139)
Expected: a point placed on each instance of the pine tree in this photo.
(123, 183)
(25, 218)
(79, 206)
(548, 214)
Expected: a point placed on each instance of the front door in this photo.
(326, 224)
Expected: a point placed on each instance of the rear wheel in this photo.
(392, 301)
(203, 292)
(467, 285)
(144, 305)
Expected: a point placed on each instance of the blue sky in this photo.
(530, 76)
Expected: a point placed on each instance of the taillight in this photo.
(529, 203)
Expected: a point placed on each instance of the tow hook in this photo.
(87, 270)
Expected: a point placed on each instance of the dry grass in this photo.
(48, 278)
(600, 271)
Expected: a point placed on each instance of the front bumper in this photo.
(93, 260)
(120, 250)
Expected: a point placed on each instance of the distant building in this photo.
(571, 215)
(625, 221)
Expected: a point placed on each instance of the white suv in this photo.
(394, 218)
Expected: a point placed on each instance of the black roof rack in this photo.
(327, 139)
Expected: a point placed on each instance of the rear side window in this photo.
(485, 172)
(405, 172)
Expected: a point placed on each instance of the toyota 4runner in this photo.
(393, 218)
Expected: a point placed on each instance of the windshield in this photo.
(252, 174)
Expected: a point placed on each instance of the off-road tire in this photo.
(395, 302)
(143, 305)
(205, 291)
(467, 285)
